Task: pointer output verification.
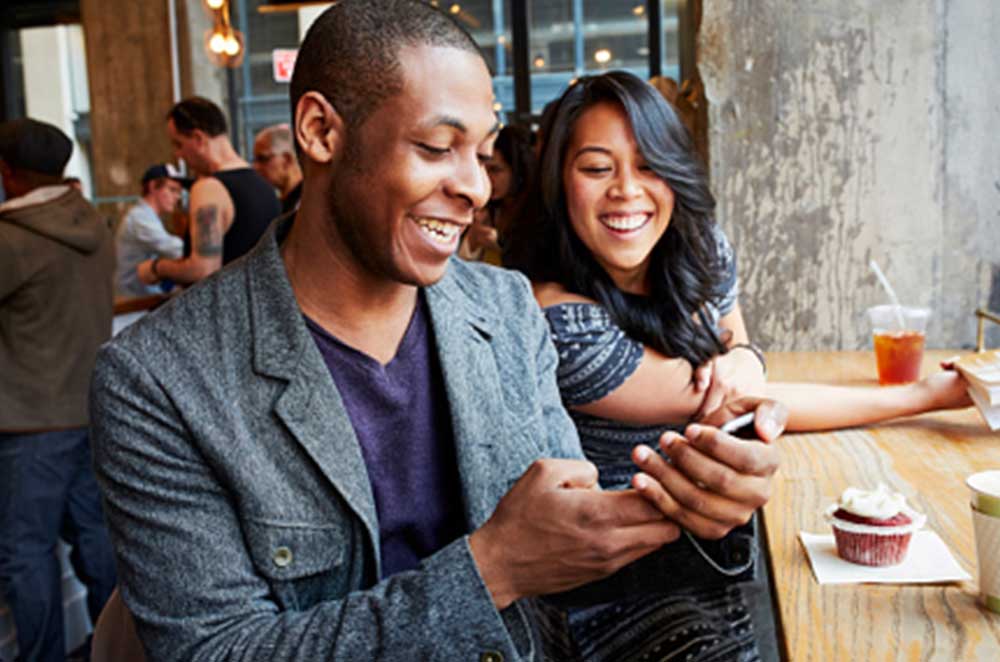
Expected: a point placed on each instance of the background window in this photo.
(566, 39)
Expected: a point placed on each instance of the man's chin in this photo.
(428, 276)
(423, 274)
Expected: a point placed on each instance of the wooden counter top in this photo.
(927, 458)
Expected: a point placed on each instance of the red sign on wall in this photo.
(283, 62)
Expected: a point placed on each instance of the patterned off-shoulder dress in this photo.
(708, 620)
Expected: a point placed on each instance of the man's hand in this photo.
(714, 481)
(145, 272)
(556, 530)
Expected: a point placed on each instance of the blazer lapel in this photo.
(310, 405)
(463, 337)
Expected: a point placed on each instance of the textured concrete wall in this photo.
(848, 130)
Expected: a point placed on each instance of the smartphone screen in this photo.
(741, 427)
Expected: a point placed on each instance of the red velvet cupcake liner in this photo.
(871, 549)
(873, 544)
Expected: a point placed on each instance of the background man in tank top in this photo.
(231, 205)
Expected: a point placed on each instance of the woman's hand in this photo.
(945, 390)
(725, 379)
(480, 235)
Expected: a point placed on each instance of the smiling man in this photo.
(350, 446)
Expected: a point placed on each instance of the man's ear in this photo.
(200, 137)
(319, 128)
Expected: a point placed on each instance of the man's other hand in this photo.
(556, 530)
(713, 481)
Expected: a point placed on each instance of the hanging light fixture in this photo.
(223, 43)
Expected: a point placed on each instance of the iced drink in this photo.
(899, 342)
(898, 355)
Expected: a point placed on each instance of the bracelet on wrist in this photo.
(753, 349)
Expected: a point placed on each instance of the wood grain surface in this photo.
(927, 459)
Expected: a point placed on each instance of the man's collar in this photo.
(279, 332)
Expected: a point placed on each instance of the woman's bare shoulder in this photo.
(553, 294)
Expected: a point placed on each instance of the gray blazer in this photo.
(237, 496)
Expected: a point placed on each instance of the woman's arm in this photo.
(659, 391)
(825, 407)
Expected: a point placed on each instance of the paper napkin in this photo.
(927, 561)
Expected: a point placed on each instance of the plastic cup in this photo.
(985, 487)
(899, 341)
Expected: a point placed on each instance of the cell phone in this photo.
(741, 427)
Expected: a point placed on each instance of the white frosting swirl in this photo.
(879, 503)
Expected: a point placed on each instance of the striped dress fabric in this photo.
(703, 624)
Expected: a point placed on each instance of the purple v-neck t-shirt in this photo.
(401, 417)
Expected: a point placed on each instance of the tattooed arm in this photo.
(211, 216)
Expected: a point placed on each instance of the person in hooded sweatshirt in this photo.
(56, 266)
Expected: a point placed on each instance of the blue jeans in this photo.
(48, 491)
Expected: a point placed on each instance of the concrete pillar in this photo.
(844, 131)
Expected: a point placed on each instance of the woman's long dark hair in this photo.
(684, 269)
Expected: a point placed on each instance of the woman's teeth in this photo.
(624, 222)
(438, 230)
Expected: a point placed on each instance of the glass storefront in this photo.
(566, 39)
(262, 101)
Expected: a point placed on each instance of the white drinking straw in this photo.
(898, 309)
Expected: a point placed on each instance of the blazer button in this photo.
(491, 656)
(282, 557)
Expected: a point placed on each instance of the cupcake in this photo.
(873, 527)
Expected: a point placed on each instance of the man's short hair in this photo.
(351, 53)
(198, 113)
(279, 138)
(33, 146)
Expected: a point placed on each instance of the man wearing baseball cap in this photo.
(141, 235)
(56, 264)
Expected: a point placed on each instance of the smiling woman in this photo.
(633, 276)
(640, 290)
(618, 207)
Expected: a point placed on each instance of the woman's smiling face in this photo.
(618, 207)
